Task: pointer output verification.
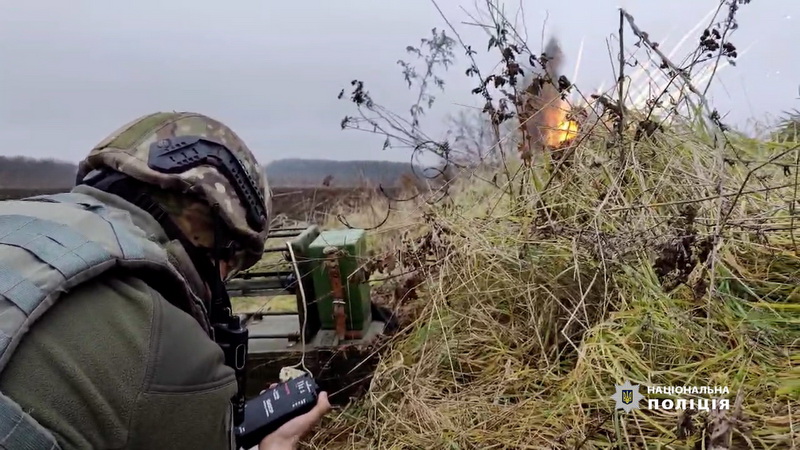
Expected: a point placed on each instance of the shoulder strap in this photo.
(138, 253)
(47, 251)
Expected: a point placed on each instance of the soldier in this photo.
(112, 295)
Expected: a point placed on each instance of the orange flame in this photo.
(562, 129)
(566, 131)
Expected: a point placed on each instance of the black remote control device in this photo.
(267, 412)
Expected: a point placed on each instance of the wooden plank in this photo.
(254, 284)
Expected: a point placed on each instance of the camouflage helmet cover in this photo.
(127, 151)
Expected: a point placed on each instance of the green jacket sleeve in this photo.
(114, 366)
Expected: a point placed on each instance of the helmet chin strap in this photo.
(222, 251)
(219, 295)
(229, 332)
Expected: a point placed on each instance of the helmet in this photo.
(194, 163)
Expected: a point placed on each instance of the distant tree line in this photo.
(28, 173)
(24, 172)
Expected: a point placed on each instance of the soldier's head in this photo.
(201, 173)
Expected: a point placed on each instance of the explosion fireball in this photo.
(564, 132)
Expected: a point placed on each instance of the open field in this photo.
(305, 204)
(12, 193)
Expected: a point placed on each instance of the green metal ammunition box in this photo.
(356, 291)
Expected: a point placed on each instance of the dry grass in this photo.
(538, 304)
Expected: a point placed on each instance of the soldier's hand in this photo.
(289, 434)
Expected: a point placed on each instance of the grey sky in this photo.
(72, 72)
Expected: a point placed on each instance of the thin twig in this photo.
(793, 205)
(621, 85)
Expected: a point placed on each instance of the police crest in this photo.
(627, 396)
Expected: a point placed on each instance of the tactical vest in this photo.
(51, 244)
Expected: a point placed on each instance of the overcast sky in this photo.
(71, 72)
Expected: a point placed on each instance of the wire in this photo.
(305, 310)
